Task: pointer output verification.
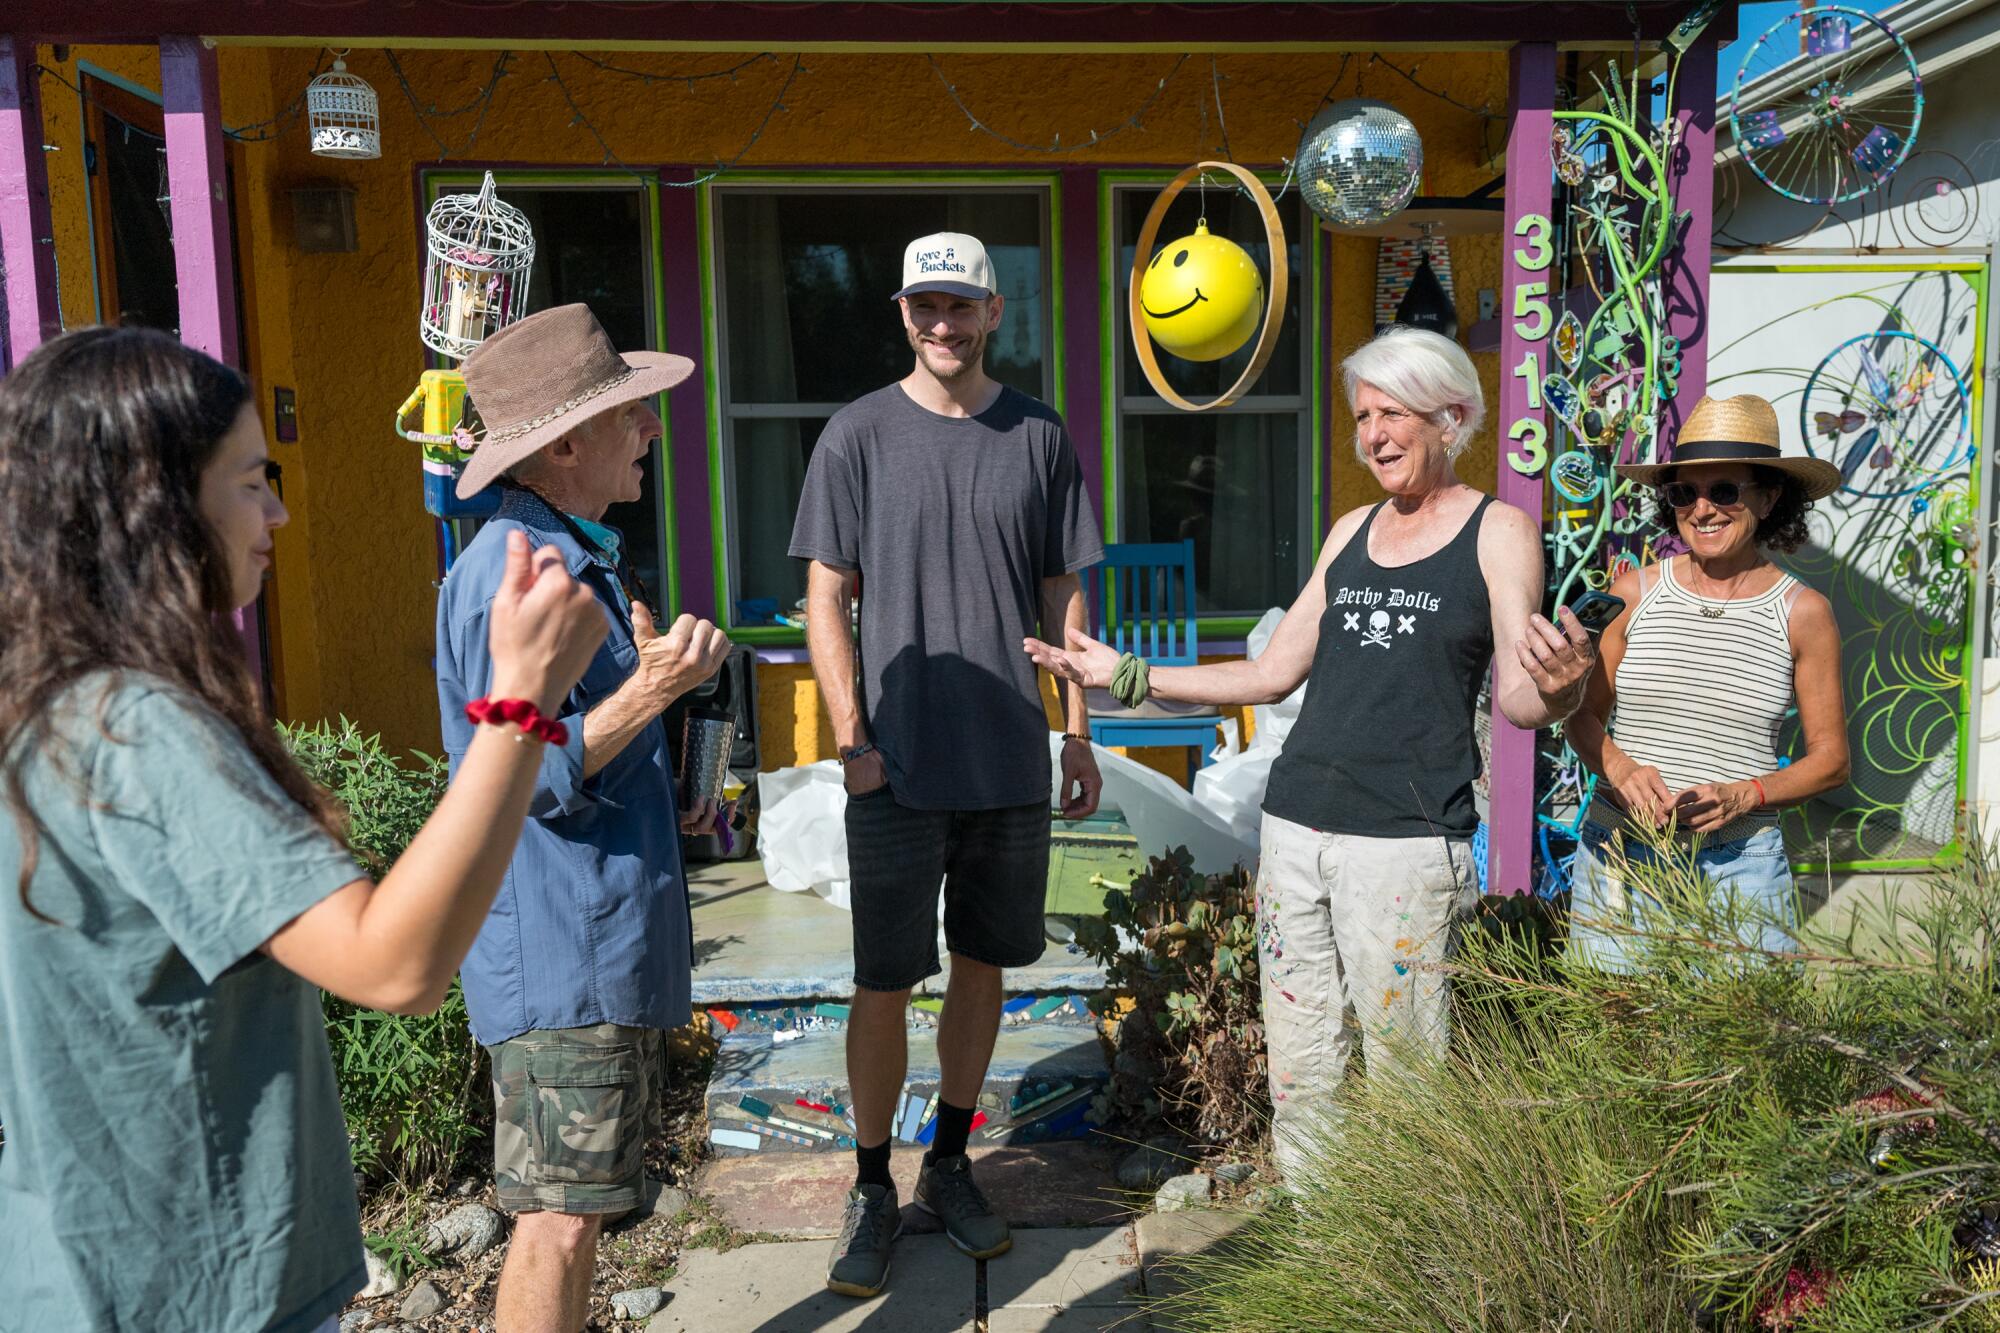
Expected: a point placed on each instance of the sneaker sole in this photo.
(960, 1245)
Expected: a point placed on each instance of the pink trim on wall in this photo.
(1531, 99)
(27, 240)
(1687, 275)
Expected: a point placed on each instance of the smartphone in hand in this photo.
(1595, 610)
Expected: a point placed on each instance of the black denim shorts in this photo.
(993, 866)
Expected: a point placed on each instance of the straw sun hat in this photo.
(542, 377)
(1743, 429)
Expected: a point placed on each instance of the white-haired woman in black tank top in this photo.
(1366, 866)
(1698, 672)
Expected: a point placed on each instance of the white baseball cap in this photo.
(947, 261)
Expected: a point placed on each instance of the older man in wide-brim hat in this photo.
(585, 958)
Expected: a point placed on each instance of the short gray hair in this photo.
(1425, 372)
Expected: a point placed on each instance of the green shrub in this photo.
(1803, 1139)
(1192, 1049)
(415, 1090)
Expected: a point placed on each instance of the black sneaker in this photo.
(868, 1229)
(946, 1189)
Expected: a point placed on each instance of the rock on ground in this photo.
(1146, 1166)
(664, 1201)
(1235, 1173)
(1188, 1191)
(352, 1321)
(465, 1233)
(639, 1303)
(423, 1301)
(382, 1279)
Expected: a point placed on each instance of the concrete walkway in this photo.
(1085, 1258)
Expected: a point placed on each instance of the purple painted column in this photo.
(687, 416)
(27, 241)
(1530, 193)
(1083, 331)
(204, 267)
(1687, 266)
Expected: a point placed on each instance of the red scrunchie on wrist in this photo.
(522, 714)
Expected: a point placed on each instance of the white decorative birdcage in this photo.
(476, 278)
(343, 114)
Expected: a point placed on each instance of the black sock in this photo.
(954, 1123)
(873, 1166)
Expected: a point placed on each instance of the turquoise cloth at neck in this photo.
(606, 539)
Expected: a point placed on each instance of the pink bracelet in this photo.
(522, 714)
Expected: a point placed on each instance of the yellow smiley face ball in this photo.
(1202, 296)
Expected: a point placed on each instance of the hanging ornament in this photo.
(1358, 162)
(1202, 296)
(476, 280)
(343, 114)
(1569, 339)
(1425, 306)
(1178, 286)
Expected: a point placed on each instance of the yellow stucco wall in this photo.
(355, 597)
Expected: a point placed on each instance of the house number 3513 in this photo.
(1532, 321)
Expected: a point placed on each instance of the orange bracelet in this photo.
(1762, 799)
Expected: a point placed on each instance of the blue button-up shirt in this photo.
(591, 924)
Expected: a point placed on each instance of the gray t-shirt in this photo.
(953, 522)
(175, 1157)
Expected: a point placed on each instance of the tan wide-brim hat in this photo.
(540, 378)
(1743, 429)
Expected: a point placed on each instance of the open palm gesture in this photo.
(1087, 662)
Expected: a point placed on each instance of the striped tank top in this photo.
(1703, 689)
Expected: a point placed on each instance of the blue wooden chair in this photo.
(1141, 601)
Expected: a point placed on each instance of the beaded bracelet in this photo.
(522, 714)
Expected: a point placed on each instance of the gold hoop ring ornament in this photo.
(1274, 305)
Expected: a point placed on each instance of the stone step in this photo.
(772, 1096)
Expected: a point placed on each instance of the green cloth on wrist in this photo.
(1129, 681)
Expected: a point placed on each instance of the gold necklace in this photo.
(1715, 612)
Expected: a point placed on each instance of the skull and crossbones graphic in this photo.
(1378, 630)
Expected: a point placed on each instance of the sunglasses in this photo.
(1721, 494)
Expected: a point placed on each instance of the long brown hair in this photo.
(106, 563)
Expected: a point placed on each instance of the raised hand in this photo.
(673, 663)
(1557, 659)
(543, 627)
(1086, 661)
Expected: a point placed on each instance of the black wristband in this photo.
(853, 753)
(1075, 736)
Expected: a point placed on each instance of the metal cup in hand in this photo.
(706, 739)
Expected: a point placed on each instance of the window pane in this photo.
(769, 457)
(1232, 484)
(1229, 214)
(591, 247)
(134, 166)
(807, 277)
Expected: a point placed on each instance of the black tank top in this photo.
(1383, 747)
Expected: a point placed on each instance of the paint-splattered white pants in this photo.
(1349, 933)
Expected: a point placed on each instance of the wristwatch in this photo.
(854, 752)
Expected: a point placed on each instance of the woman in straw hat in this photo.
(177, 891)
(1696, 675)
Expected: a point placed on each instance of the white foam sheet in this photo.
(802, 828)
(1233, 786)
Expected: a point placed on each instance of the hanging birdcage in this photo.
(343, 114)
(476, 278)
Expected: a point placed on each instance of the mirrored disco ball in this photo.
(1359, 161)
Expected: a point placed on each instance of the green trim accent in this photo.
(1948, 856)
(834, 176)
(770, 636)
(103, 75)
(1107, 355)
(1059, 379)
(711, 391)
(1914, 266)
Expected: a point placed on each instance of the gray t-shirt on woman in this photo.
(953, 523)
(176, 1160)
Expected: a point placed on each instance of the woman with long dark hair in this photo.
(175, 1156)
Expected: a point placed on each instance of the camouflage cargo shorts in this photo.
(573, 1110)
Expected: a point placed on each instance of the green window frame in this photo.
(652, 254)
(1123, 394)
(723, 414)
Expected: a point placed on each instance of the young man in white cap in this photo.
(959, 504)
(585, 958)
